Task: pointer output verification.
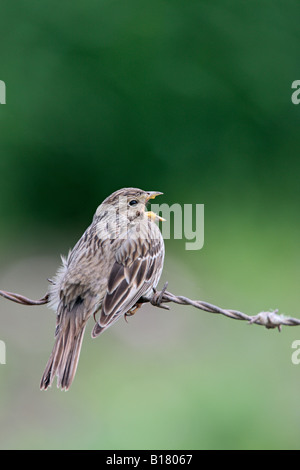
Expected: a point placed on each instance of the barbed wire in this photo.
(20, 299)
(269, 319)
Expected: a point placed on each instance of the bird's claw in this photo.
(132, 311)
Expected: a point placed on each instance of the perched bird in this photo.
(115, 265)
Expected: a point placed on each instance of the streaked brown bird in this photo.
(115, 265)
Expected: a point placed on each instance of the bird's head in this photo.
(130, 202)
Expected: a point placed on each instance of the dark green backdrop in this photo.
(192, 99)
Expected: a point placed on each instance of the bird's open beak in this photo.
(152, 194)
(154, 216)
(150, 214)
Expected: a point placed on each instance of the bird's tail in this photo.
(64, 357)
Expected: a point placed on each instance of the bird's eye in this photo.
(133, 202)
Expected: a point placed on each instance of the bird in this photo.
(113, 268)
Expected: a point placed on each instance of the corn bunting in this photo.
(113, 268)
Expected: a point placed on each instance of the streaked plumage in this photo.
(115, 265)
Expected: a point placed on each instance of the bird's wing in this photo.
(131, 276)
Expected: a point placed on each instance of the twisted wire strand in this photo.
(269, 319)
(20, 299)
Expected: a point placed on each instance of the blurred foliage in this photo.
(192, 99)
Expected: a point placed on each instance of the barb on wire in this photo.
(269, 319)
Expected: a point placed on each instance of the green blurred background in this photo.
(192, 99)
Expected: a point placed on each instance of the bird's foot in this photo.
(132, 311)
